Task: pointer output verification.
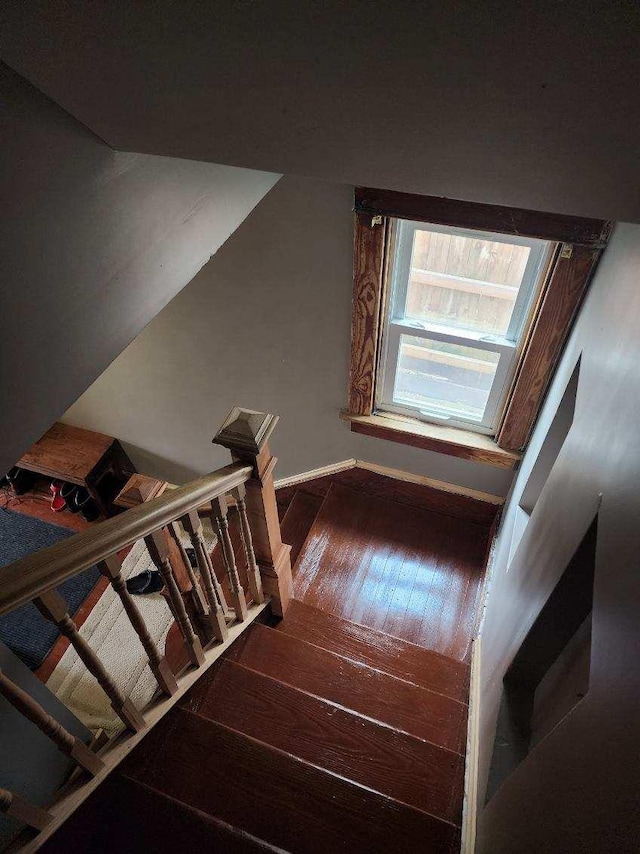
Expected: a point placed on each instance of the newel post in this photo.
(246, 434)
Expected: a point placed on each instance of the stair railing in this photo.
(207, 622)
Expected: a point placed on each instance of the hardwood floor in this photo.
(341, 727)
(284, 800)
(394, 489)
(297, 521)
(126, 817)
(392, 701)
(383, 652)
(408, 769)
(411, 573)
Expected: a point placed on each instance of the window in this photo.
(460, 313)
(458, 301)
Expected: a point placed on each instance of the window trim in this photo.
(581, 242)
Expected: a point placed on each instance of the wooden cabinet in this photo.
(83, 457)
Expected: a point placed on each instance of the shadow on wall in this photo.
(161, 467)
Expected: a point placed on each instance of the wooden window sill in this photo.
(433, 437)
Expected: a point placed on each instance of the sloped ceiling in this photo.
(93, 244)
(529, 104)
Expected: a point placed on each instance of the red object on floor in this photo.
(57, 502)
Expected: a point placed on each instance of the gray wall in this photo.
(577, 789)
(93, 244)
(30, 763)
(266, 324)
(529, 104)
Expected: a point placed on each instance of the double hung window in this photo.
(458, 302)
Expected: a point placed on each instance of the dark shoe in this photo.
(193, 560)
(156, 584)
(68, 492)
(85, 504)
(21, 480)
(138, 583)
(149, 581)
(57, 501)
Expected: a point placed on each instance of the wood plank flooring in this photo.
(339, 728)
(392, 701)
(407, 769)
(411, 573)
(281, 799)
(126, 817)
(298, 520)
(383, 652)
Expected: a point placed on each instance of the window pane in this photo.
(445, 379)
(464, 282)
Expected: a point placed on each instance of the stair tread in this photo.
(398, 657)
(282, 799)
(127, 816)
(298, 520)
(405, 768)
(400, 704)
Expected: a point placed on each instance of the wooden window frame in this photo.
(580, 243)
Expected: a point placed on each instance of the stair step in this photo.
(395, 702)
(390, 762)
(298, 520)
(127, 816)
(277, 797)
(393, 655)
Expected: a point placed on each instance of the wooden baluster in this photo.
(253, 571)
(246, 434)
(215, 596)
(62, 738)
(52, 606)
(210, 579)
(220, 510)
(159, 551)
(197, 596)
(111, 568)
(23, 811)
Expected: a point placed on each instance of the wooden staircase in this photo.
(311, 734)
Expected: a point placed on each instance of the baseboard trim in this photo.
(422, 480)
(397, 474)
(470, 804)
(323, 471)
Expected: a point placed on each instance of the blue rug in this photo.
(25, 630)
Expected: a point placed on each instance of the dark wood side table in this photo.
(83, 457)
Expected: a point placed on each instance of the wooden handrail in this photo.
(33, 575)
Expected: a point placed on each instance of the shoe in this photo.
(193, 560)
(156, 584)
(138, 583)
(149, 581)
(57, 502)
(85, 504)
(21, 480)
(68, 492)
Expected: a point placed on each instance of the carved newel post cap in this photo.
(245, 430)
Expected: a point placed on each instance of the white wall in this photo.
(526, 104)
(266, 325)
(93, 244)
(577, 789)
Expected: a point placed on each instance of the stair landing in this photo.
(413, 574)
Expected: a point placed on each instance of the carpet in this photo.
(25, 631)
(108, 631)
